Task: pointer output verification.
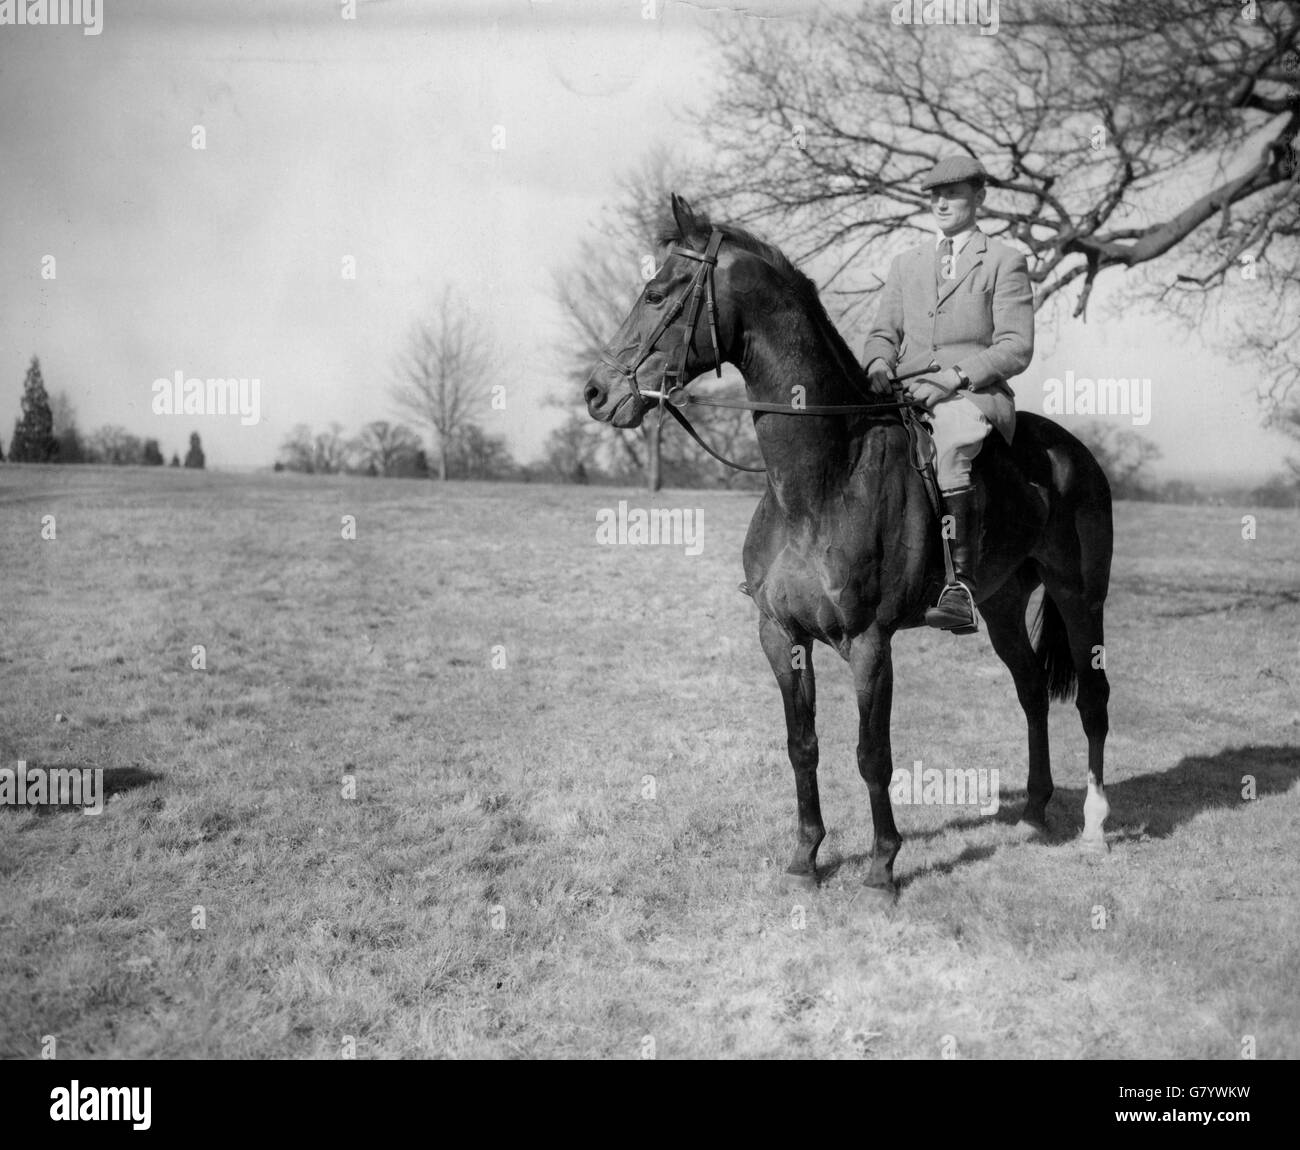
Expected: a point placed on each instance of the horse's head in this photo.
(681, 325)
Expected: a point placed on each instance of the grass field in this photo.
(570, 854)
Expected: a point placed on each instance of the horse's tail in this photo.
(1080, 540)
(1052, 646)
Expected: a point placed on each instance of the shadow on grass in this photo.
(1151, 806)
(970, 854)
(117, 780)
(1158, 804)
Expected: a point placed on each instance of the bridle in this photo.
(672, 395)
(701, 282)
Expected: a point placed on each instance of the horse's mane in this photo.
(670, 233)
(804, 288)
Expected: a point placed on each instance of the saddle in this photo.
(1022, 478)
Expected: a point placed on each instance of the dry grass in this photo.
(500, 885)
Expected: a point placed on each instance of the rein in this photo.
(678, 398)
(672, 395)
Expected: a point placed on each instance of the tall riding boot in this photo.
(956, 607)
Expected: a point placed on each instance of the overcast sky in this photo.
(374, 138)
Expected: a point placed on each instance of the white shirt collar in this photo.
(959, 241)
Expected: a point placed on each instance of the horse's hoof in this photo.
(1094, 845)
(875, 900)
(797, 882)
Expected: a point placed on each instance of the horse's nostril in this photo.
(592, 394)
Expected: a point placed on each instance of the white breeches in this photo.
(959, 428)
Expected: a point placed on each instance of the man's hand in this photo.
(933, 390)
(880, 377)
(925, 392)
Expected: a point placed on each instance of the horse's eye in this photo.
(654, 297)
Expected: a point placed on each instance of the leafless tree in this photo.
(1121, 134)
(444, 374)
(332, 453)
(325, 453)
(478, 455)
(388, 447)
(296, 451)
(114, 444)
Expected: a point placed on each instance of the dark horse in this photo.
(844, 546)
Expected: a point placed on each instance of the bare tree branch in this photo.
(1089, 115)
(444, 375)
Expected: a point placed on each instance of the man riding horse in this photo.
(963, 302)
(839, 550)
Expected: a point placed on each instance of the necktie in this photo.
(946, 266)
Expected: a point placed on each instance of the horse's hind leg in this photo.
(791, 660)
(1004, 615)
(1082, 616)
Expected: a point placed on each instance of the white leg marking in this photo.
(1095, 810)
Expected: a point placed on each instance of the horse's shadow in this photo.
(1150, 806)
(117, 780)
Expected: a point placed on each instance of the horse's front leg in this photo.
(873, 680)
(791, 659)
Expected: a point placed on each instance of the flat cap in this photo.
(955, 170)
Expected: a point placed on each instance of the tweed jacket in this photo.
(982, 321)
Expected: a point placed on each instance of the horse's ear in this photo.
(684, 214)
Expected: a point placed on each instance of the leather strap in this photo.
(922, 451)
(680, 397)
(676, 413)
(674, 408)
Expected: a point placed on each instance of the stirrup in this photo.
(970, 628)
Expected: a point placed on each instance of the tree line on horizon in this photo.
(47, 432)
